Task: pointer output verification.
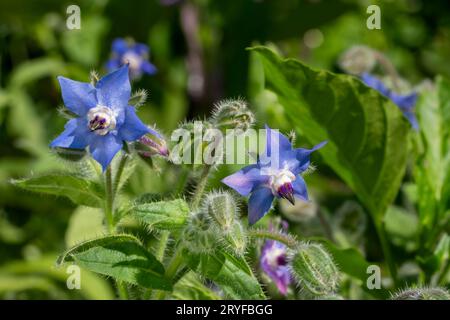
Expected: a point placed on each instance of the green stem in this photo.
(109, 216)
(122, 289)
(120, 168)
(109, 201)
(171, 270)
(387, 251)
(162, 245)
(198, 193)
(277, 236)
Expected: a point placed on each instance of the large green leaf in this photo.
(232, 274)
(367, 134)
(432, 171)
(165, 215)
(77, 189)
(121, 257)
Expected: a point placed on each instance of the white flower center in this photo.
(273, 256)
(133, 59)
(279, 178)
(101, 120)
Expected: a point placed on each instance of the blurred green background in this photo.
(199, 48)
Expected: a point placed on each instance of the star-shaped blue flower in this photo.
(275, 175)
(104, 118)
(406, 103)
(135, 54)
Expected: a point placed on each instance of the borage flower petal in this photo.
(406, 103)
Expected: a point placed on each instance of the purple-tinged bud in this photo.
(151, 147)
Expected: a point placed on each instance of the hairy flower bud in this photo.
(199, 235)
(222, 208)
(233, 114)
(314, 269)
(357, 60)
(422, 294)
(148, 147)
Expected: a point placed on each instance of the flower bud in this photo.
(358, 60)
(199, 235)
(314, 269)
(148, 147)
(232, 114)
(221, 207)
(422, 294)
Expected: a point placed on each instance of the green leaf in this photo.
(432, 171)
(121, 257)
(165, 215)
(232, 274)
(400, 223)
(367, 134)
(191, 288)
(77, 189)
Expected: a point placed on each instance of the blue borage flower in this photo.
(104, 118)
(406, 103)
(274, 264)
(135, 54)
(277, 178)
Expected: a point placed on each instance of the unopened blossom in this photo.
(274, 264)
(406, 102)
(134, 54)
(267, 180)
(104, 119)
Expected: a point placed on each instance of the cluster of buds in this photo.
(215, 225)
(223, 211)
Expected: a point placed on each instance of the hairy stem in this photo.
(198, 193)
(162, 245)
(277, 236)
(387, 251)
(109, 201)
(109, 216)
(120, 168)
